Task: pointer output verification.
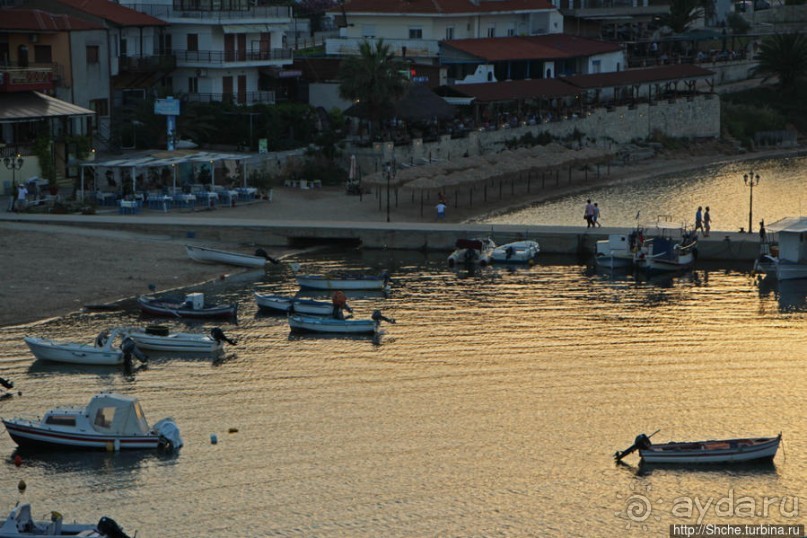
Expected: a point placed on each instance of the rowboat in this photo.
(212, 255)
(516, 252)
(159, 338)
(273, 303)
(109, 422)
(472, 252)
(105, 351)
(284, 304)
(344, 282)
(20, 523)
(192, 306)
(714, 451)
(320, 324)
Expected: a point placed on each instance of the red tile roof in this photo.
(638, 76)
(115, 13)
(445, 7)
(542, 47)
(516, 90)
(36, 20)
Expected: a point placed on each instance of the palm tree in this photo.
(784, 56)
(682, 14)
(373, 79)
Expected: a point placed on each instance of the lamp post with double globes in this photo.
(751, 181)
(13, 164)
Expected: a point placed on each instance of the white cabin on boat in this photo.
(792, 233)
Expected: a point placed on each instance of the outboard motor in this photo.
(130, 349)
(218, 335)
(110, 528)
(6, 383)
(378, 317)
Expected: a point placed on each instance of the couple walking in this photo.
(592, 215)
(703, 221)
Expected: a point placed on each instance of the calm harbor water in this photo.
(491, 408)
(780, 193)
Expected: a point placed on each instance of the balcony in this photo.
(406, 48)
(203, 58)
(214, 11)
(26, 79)
(242, 98)
(147, 64)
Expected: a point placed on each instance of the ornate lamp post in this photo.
(751, 181)
(13, 164)
(390, 171)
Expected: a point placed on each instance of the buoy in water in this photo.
(22, 485)
(213, 439)
(17, 460)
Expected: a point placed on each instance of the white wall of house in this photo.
(90, 62)
(608, 62)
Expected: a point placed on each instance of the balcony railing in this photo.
(213, 10)
(231, 56)
(147, 64)
(246, 98)
(26, 79)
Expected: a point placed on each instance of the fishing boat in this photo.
(107, 350)
(268, 302)
(160, 338)
(715, 451)
(192, 305)
(212, 255)
(664, 252)
(472, 252)
(616, 251)
(791, 263)
(312, 307)
(344, 282)
(20, 523)
(516, 252)
(319, 324)
(109, 422)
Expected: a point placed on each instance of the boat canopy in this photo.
(117, 414)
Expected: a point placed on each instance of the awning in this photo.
(29, 106)
(246, 28)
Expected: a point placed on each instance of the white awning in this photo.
(789, 224)
(246, 28)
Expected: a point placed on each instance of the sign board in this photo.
(167, 107)
(263, 145)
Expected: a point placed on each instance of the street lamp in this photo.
(751, 181)
(13, 164)
(390, 171)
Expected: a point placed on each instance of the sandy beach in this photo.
(54, 270)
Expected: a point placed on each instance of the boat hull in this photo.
(210, 255)
(29, 435)
(176, 342)
(155, 307)
(332, 326)
(85, 354)
(310, 307)
(728, 451)
(316, 282)
(790, 271)
(273, 303)
(516, 252)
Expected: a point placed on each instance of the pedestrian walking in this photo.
(441, 211)
(588, 214)
(762, 235)
(596, 217)
(699, 219)
(707, 222)
(22, 195)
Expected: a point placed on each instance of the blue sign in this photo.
(167, 107)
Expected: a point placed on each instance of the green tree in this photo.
(784, 56)
(372, 79)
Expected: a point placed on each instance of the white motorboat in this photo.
(472, 252)
(160, 338)
(321, 324)
(105, 351)
(20, 523)
(273, 303)
(344, 282)
(212, 255)
(715, 451)
(516, 252)
(663, 253)
(109, 422)
(616, 251)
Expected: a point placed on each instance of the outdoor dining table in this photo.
(211, 197)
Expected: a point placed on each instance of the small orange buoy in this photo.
(17, 460)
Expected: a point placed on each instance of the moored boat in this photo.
(746, 450)
(192, 306)
(105, 351)
(273, 303)
(617, 251)
(212, 255)
(160, 338)
(321, 324)
(312, 307)
(472, 252)
(108, 422)
(516, 252)
(344, 282)
(662, 252)
(20, 523)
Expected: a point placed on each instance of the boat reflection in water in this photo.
(791, 295)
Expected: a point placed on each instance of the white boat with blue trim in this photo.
(516, 252)
(106, 350)
(20, 523)
(320, 324)
(160, 338)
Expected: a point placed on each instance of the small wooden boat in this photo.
(312, 307)
(109, 422)
(20, 523)
(472, 252)
(159, 338)
(273, 303)
(516, 252)
(105, 351)
(212, 255)
(715, 451)
(320, 324)
(344, 282)
(192, 306)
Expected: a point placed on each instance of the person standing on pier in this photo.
(588, 214)
(699, 219)
(596, 218)
(707, 222)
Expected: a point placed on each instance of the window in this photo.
(511, 32)
(104, 417)
(42, 54)
(58, 420)
(368, 30)
(416, 33)
(596, 66)
(193, 85)
(450, 32)
(124, 48)
(492, 31)
(193, 42)
(93, 54)
(100, 106)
